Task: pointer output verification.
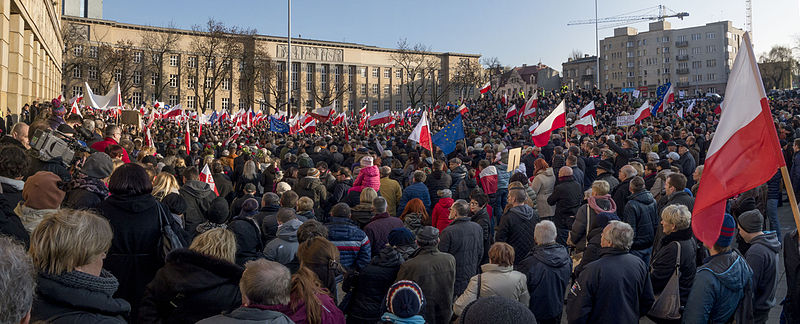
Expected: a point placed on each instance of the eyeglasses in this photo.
(473, 203)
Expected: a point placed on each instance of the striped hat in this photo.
(727, 232)
(405, 299)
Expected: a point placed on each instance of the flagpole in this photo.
(787, 182)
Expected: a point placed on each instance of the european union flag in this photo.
(446, 138)
(278, 126)
(660, 92)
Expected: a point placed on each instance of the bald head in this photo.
(565, 171)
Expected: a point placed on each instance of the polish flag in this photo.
(363, 110)
(505, 99)
(718, 109)
(669, 97)
(643, 111)
(421, 133)
(233, 137)
(339, 118)
(463, 109)
(75, 109)
(363, 121)
(586, 124)
(511, 111)
(588, 110)
(556, 120)
(691, 106)
(205, 176)
(382, 117)
(744, 152)
(390, 125)
(437, 107)
(533, 128)
(311, 127)
(223, 116)
(529, 108)
(187, 141)
(346, 130)
(505, 129)
(172, 112)
(322, 114)
(486, 87)
(680, 113)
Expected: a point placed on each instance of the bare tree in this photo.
(777, 67)
(467, 75)
(124, 66)
(576, 54)
(493, 66)
(73, 35)
(328, 89)
(267, 80)
(418, 65)
(216, 49)
(246, 64)
(156, 45)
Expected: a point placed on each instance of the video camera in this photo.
(48, 145)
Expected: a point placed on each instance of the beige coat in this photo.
(391, 191)
(495, 281)
(543, 185)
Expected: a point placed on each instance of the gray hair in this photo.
(379, 204)
(88, 124)
(445, 193)
(270, 199)
(110, 130)
(17, 281)
(619, 234)
(677, 215)
(461, 207)
(266, 283)
(249, 171)
(629, 171)
(545, 232)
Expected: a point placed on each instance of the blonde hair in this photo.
(164, 184)
(678, 215)
(638, 166)
(68, 239)
(218, 242)
(367, 195)
(600, 187)
(180, 163)
(304, 204)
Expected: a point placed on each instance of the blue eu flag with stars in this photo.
(278, 126)
(446, 138)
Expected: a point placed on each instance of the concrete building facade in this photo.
(579, 73)
(30, 52)
(526, 78)
(695, 60)
(357, 73)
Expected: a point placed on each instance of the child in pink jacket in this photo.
(369, 176)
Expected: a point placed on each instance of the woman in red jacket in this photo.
(441, 212)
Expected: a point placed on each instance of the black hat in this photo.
(99, 165)
(175, 203)
(672, 143)
(218, 211)
(606, 165)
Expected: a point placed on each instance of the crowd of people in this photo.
(366, 226)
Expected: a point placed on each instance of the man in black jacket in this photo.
(621, 193)
(547, 268)
(518, 222)
(463, 239)
(640, 213)
(567, 196)
(762, 256)
(198, 196)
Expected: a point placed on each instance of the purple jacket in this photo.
(378, 230)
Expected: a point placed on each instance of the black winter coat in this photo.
(268, 222)
(436, 181)
(547, 268)
(191, 286)
(663, 265)
(224, 186)
(77, 297)
(482, 218)
(567, 197)
(198, 196)
(624, 155)
(463, 239)
(370, 288)
(133, 257)
(516, 228)
(621, 194)
(641, 214)
(791, 263)
(10, 224)
(82, 199)
(248, 239)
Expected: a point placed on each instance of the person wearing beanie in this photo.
(404, 241)
(57, 117)
(762, 257)
(41, 196)
(248, 234)
(404, 302)
(310, 186)
(368, 176)
(435, 272)
(721, 282)
(88, 188)
(217, 216)
(494, 310)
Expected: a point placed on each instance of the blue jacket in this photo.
(641, 213)
(548, 269)
(774, 186)
(415, 190)
(353, 244)
(502, 176)
(718, 286)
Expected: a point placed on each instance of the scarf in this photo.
(105, 283)
(392, 318)
(593, 204)
(85, 182)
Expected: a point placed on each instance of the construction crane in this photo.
(632, 17)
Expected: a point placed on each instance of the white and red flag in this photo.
(511, 111)
(338, 119)
(187, 140)
(205, 176)
(669, 97)
(390, 124)
(556, 120)
(505, 129)
(322, 114)
(422, 133)
(75, 109)
(533, 128)
(643, 111)
(463, 109)
(744, 152)
(529, 108)
(588, 110)
(505, 98)
(486, 87)
(382, 117)
(586, 124)
(311, 127)
(363, 110)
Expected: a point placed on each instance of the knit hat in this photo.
(282, 187)
(313, 172)
(218, 211)
(606, 165)
(249, 207)
(99, 165)
(496, 309)
(727, 232)
(58, 109)
(401, 236)
(41, 191)
(653, 155)
(366, 161)
(674, 156)
(428, 234)
(305, 161)
(175, 203)
(249, 187)
(405, 299)
(751, 221)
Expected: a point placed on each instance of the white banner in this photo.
(626, 120)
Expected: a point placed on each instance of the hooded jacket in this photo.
(313, 188)
(441, 213)
(436, 181)
(516, 228)
(249, 245)
(416, 190)
(718, 287)
(361, 214)
(640, 213)
(762, 257)
(191, 286)
(367, 177)
(791, 263)
(543, 185)
(495, 281)
(198, 196)
(283, 248)
(567, 196)
(463, 239)
(548, 269)
(77, 297)
(372, 284)
(31, 217)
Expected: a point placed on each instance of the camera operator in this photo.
(55, 165)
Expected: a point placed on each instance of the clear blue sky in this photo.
(516, 32)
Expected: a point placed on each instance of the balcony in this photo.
(682, 71)
(681, 43)
(681, 57)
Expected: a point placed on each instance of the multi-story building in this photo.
(579, 72)
(526, 78)
(695, 60)
(83, 8)
(30, 52)
(344, 75)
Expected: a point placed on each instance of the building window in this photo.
(210, 103)
(711, 49)
(398, 104)
(696, 50)
(697, 64)
(241, 66)
(190, 82)
(630, 54)
(698, 78)
(697, 36)
(226, 83)
(190, 100)
(711, 76)
(77, 91)
(387, 105)
(242, 104)
(78, 50)
(363, 71)
(681, 38)
(629, 44)
(92, 71)
(226, 102)
(117, 75)
(173, 100)
(136, 98)
(375, 72)
(386, 89)
(711, 35)
(76, 71)
(397, 89)
(192, 61)
(387, 73)
(375, 104)
(208, 82)
(323, 76)
(398, 73)
(375, 90)
(666, 50)
(173, 80)
(711, 63)
(173, 60)
(295, 72)
(93, 51)
(153, 78)
(137, 77)
(363, 89)
(137, 57)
